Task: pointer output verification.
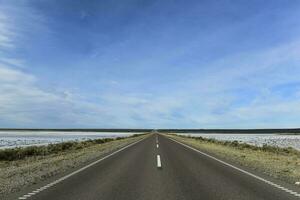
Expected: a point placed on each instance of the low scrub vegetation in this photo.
(280, 163)
(21, 167)
(24, 152)
(240, 145)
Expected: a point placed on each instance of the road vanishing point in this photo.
(159, 168)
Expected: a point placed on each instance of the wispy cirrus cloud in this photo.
(6, 33)
(22, 102)
(215, 99)
(194, 71)
(238, 91)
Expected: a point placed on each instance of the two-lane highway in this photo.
(159, 168)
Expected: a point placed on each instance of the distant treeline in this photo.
(248, 131)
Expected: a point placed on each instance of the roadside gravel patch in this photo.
(279, 165)
(14, 175)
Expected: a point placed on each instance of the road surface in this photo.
(158, 168)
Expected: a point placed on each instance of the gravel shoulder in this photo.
(15, 175)
(277, 163)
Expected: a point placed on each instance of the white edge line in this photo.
(241, 170)
(158, 161)
(25, 196)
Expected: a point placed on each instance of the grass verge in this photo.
(41, 162)
(280, 163)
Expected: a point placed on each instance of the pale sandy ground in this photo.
(17, 174)
(283, 166)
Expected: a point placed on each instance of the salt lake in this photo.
(280, 140)
(10, 139)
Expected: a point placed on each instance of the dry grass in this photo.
(16, 174)
(283, 164)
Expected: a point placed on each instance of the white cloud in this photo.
(209, 99)
(220, 95)
(9, 75)
(207, 102)
(6, 34)
(12, 62)
(24, 104)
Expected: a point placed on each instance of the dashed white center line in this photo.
(28, 195)
(157, 145)
(158, 161)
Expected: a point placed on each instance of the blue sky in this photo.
(149, 64)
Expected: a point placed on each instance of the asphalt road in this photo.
(184, 174)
